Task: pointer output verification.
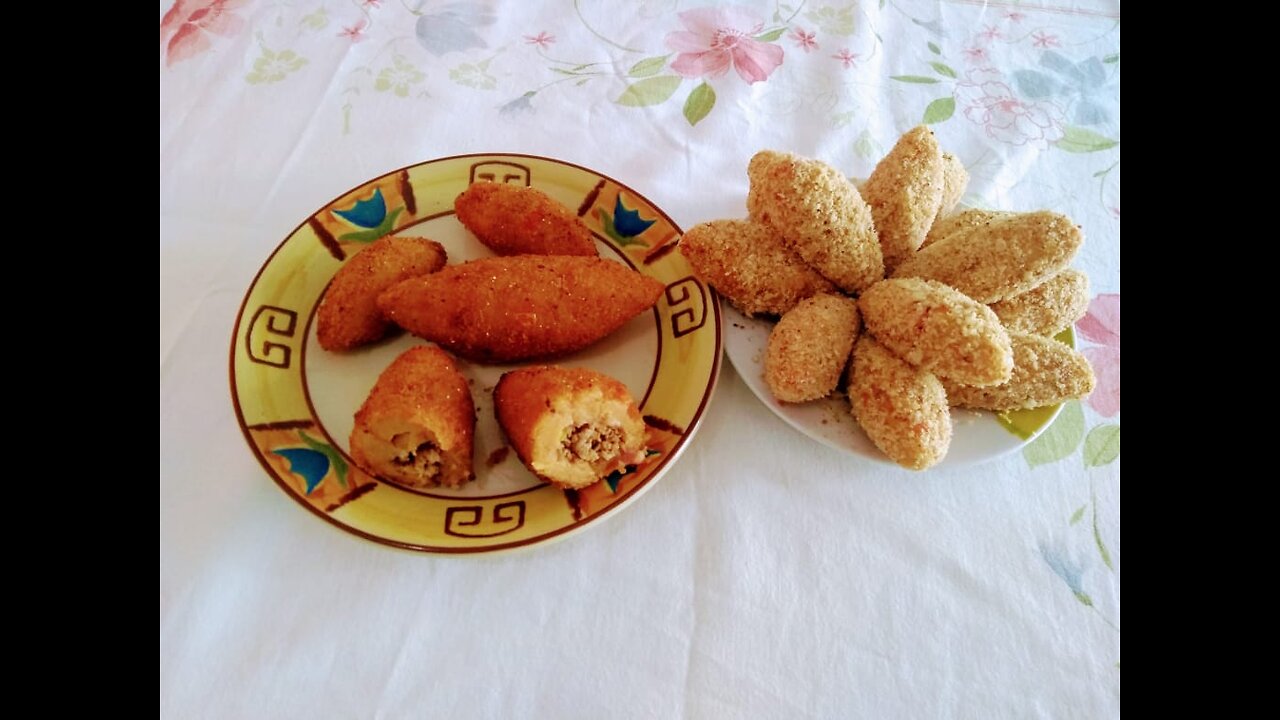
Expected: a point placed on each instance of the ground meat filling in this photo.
(593, 444)
(426, 458)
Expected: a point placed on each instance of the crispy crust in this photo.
(506, 309)
(938, 329)
(1045, 372)
(905, 192)
(963, 220)
(1049, 308)
(819, 214)
(512, 220)
(902, 408)
(748, 263)
(348, 316)
(1000, 259)
(809, 348)
(955, 180)
(420, 398)
(544, 410)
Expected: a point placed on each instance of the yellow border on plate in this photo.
(269, 391)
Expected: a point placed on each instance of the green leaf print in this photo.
(648, 66)
(1079, 140)
(700, 102)
(1077, 515)
(920, 79)
(650, 91)
(939, 110)
(933, 48)
(1102, 446)
(1060, 440)
(943, 69)
(1112, 58)
(771, 35)
(1097, 540)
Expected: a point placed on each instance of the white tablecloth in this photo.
(766, 575)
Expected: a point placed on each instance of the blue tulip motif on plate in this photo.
(625, 224)
(371, 216)
(312, 463)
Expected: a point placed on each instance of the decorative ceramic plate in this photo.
(978, 435)
(295, 401)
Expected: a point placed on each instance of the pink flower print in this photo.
(1101, 325)
(804, 40)
(374, 4)
(846, 58)
(1115, 211)
(976, 55)
(542, 39)
(354, 33)
(1042, 39)
(188, 24)
(989, 101)
(989, 33)
(716, 38)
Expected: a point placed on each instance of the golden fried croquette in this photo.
(1050, 307)
(417, 425)
(809, 348)
(1045, 372)
(961, 221)
(569, 426)
(748, 263)
(505, 309)
(819, 214)
(955, 180)
(902, 408)
(905, 192)
(938, 329)
(348, 316)
(512, 220)
(1000, 259)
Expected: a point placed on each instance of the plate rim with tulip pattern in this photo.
(289, 423)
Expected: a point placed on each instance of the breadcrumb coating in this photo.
(749, 264)
(505, 309)
(905, 192)
(517, 220)
(902, 408)
(1045, 372)
(819, 214)
(938, 329)
(955, 180)
(1000, 259)
(1048, 308)
(348, 316)
(963, 220)
(809, 348)
(418, 423)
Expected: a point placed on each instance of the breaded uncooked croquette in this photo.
(1000, 259)
(955, 180)
(512, 220)
(506, 309)
(961, 221)
(809, 348)
(1045, 372)
(1050, 307)
(819, 214)
(348, 316)
(902, 408)
(938, 329)
(569, 426)
(417, 426)
(747, 262)
(905, 192)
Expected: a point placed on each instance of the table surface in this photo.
(765, 575)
